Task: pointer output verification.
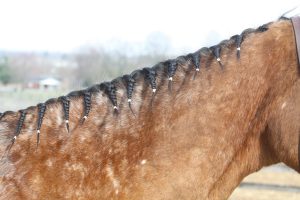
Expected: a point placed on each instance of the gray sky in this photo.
(63, 25)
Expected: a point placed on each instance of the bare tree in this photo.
(95, 64)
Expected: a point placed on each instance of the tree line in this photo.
(87, 65)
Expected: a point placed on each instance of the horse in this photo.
(187, 128)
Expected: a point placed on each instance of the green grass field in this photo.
(19, 99)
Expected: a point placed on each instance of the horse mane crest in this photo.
(149, 75)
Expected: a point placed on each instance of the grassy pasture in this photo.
(16, 99)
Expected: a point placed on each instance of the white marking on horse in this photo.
(143, 162)
(283, 105)
(114, 180)
(49, 162)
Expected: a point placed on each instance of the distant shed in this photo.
(49, 83)
(43, 83)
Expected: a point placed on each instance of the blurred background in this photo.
(51, 47)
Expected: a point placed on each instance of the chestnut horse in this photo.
(187, 128)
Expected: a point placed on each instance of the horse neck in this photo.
(205, 135)
(213, 132)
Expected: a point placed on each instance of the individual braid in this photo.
(87, 104)
(238, 39)
(18, 128)
(172, 67)
(20, 122)
(130, 83)
(66, 108)
(151, 77)
(110, 90)
(41, 113)
(262, 28)
(217, 51)
(112, 95)
(1, 115)
(195, 58)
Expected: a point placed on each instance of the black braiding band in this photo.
(66, 107)
(41, 113)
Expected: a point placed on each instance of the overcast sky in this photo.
(62, 25)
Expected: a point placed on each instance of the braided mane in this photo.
(195, 62)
